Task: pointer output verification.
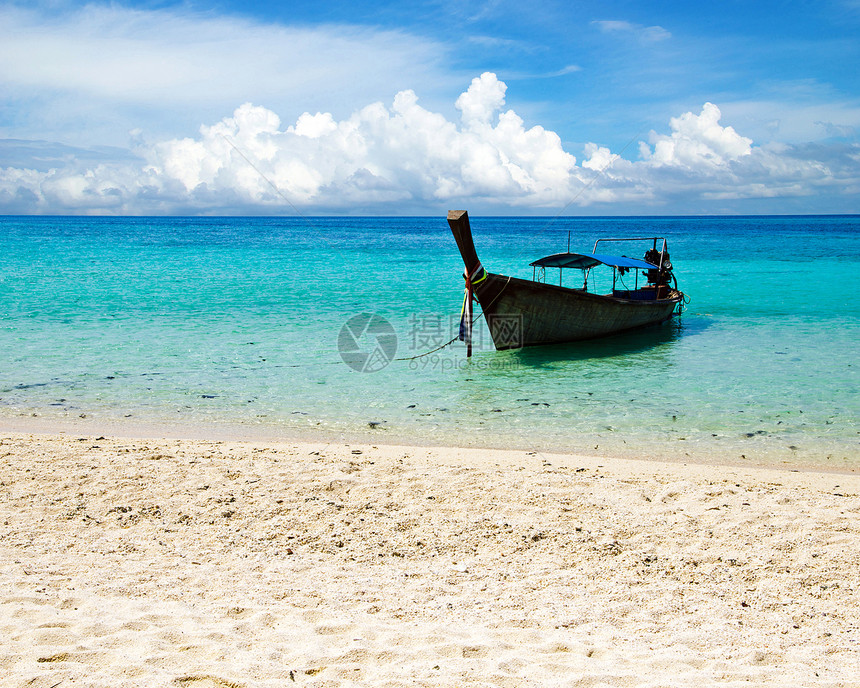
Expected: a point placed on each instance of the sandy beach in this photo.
(166, 562)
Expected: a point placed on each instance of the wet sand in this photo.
(165, 562)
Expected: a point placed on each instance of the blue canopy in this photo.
(583, 261)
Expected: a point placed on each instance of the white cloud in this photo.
(645, 34)
(406, 158)
(107, 51)
(484, 97)
(698, 140)
(98, 71)
(790, 120)
(405, 153)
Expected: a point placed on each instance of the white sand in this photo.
(186, 563)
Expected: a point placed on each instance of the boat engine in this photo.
(662, 275)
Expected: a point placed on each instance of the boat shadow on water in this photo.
(658, 338)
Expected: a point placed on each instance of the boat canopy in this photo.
(583, 261)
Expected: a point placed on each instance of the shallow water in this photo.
(235, 321)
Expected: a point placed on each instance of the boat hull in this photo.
(523, 313)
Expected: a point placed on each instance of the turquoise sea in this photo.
(234, 323)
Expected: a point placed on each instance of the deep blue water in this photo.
(235, 321)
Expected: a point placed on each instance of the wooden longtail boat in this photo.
(521, 313)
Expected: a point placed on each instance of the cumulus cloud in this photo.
(403, 158)
(697, 140)
(402, 153)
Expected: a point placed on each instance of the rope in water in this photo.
(409, 358)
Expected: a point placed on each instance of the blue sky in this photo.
(410, 108)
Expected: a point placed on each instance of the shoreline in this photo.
(213, 563)
(238, 432)
(479, 458)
